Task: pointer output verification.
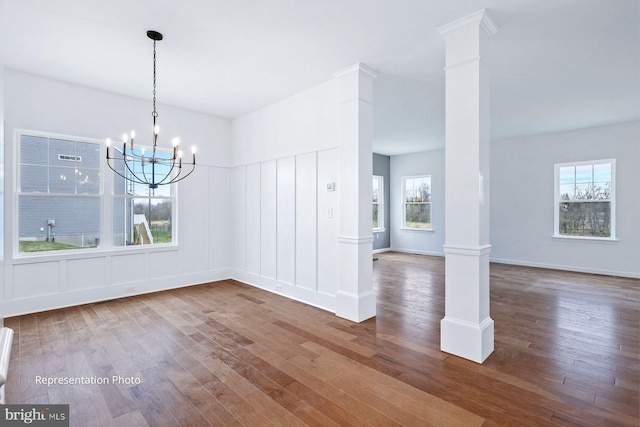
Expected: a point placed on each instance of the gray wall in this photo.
(381, 167)
(521, 198)
(418, 241)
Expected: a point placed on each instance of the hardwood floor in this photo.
(227, 354)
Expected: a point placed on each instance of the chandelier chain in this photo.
(154, 113)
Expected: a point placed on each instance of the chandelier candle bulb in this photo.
(156, 131)
(176, 141)
(133, 136)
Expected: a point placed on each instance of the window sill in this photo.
(379, 230)
(420, 230)
(30, 257)
(585, 238)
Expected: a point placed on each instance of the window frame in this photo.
(403, 224)
(557, 201)
(173, 191)
(106, 195)
(17, 192)
(380, 228)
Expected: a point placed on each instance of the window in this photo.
(585, 199)
(378, 202)
(58, 194)
(141, 215)
(416, 202)
(60, 198)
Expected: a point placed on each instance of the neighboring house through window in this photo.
(60, 198)
(585, 199)
(416, 202)
(58, 194)
(378, 203)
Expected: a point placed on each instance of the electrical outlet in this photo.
(278, 287)
(129, 289)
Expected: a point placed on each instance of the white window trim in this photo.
(173, 197)
(556, 201)
(106, 195)
(403, 225)
(381, 212)
(15, 237)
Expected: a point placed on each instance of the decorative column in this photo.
(467, 328)
(355, 299)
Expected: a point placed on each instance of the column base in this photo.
(356, 308)
(473, 341)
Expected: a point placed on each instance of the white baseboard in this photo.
(417, 252)
(379, 251)
(307, 296)
(577, 269)
(634, 275)
(35, 304)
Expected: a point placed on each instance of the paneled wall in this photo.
(285, 226)
(285, 221)
(43, 281)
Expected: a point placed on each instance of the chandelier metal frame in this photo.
(129, 158)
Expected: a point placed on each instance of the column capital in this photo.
(481, 18)
(361, 69)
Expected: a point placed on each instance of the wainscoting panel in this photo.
(286, 221)
(268, 237)
(306, 232)
(253, 218)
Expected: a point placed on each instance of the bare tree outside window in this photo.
(417, 202)
(585, 202)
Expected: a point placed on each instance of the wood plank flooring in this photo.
(227, 354)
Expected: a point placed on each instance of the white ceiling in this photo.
(555, 64)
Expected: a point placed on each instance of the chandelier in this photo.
(157, 167)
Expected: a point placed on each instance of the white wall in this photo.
(522, 200)
(284, 156)
(413, 241)
(44, 281)
(299, 124)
